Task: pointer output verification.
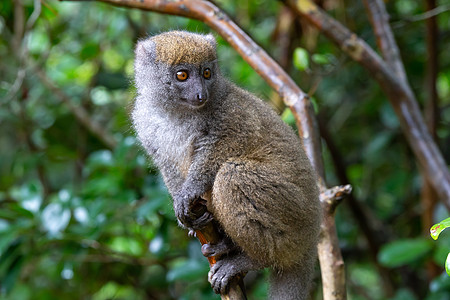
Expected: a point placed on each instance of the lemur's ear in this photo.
(145, 50)
(210, 38)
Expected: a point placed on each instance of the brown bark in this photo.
(331, 262)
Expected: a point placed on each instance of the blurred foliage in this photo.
(81, 219)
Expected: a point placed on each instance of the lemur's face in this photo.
(191, 84)
(182, 68)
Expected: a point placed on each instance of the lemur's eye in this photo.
(207, 73)
(182, 75)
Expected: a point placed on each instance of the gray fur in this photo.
(264, 192)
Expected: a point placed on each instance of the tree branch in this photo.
(331, 262)
(385, 38)
(426, 15)
(398, 92)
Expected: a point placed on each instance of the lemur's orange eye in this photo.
(207, 73)
(182, 75)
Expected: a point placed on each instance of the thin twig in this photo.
(422, 17)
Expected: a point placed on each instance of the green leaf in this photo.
(320, 59)
(187, 270)
(403, 294)
(89, 51)
(314, 104)
(402, 252)
(112, 290)
(12, 274)
(436, 229)
(6, 239)
(126, 245)
(301, 59)
(287, 116)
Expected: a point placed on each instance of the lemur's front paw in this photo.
(221, 274)
(200, 222)
(181, 203)
(191, 211)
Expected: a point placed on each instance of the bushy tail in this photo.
(292, 284)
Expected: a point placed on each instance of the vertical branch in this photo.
(19, 25)
(361, 215)
(330, 257)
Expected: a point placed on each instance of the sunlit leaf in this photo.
(113, 290)
(113, 60)
(55, 218)
(436, 229)
(126, 245)
(301, 59)
(157, 244)
(443, 86)
(29, 195)
(38, 42)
